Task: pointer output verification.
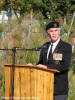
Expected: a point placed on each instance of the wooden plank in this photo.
(27, 85)
(22, 83)
(40, 84)
(17, 84)
(51, 85)
(8, 83)
(48, 86)
(45, 85)
(33, 83)
(38, 94)
(32, 66)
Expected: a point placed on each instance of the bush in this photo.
(16, 36)
(1, 28)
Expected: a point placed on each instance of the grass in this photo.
(71, 86)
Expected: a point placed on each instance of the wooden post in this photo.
(30, 82)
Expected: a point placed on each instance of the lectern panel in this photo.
(30, 83)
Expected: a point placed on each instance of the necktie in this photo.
(49, 51)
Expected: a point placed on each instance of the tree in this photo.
(20, 6)
(49, 8)
(55, 8)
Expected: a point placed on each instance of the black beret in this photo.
(52, 25)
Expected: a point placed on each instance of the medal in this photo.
(57, 56)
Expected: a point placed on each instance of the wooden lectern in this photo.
(30, 83)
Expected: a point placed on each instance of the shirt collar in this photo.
(55, 43)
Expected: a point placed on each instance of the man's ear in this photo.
(47, 32)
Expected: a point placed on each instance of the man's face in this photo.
(54, 34)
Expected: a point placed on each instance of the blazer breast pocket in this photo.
(57, 57)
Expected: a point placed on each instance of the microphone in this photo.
(41, 47)
(14, 49)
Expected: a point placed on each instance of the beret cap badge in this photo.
(55, 25)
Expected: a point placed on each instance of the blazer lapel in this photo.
(58, 47)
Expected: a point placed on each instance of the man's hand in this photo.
(40, 65)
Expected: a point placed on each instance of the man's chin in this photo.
(54, 40)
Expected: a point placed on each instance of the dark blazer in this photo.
(61, 78)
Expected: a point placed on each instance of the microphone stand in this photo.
(13, 66)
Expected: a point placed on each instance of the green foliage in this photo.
(71, 86)
(63, 32)
(12, 23)
(32, 57)
(54, 9)
(16, 36)
(73, 62)
(25, 29)
(6, 45)
(1, 28)
(49, 8)
(1, 83)
(1, 76)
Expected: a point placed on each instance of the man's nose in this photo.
(53, 32)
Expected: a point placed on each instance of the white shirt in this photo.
(73, 47)
(53, 47)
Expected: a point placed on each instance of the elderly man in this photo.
(57, 55)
